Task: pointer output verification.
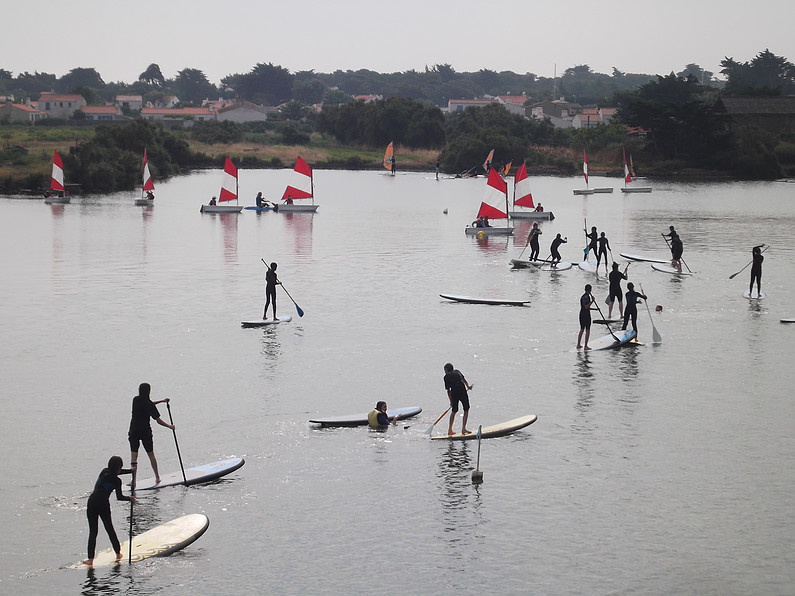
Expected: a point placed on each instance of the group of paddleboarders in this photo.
(629, 313)
(108, 481)
(599, 244)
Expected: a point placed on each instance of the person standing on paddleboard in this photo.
(586, 300)
(604, 246)
(676, 249)
(631, 310)
(271, 281)
(457, 386)
(378, 419)
(532, 242)
(615, 278)
(756, 270)
(143, 408)
(592, 238)
(99, 507)
(553, 249)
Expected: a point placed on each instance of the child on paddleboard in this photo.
(456, 386)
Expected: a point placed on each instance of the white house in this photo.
(183, 116)
(129, 102)
(244, 111)
(60, 105)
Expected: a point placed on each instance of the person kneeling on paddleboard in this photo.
(378, 418)
(99, 506)
(457, 386)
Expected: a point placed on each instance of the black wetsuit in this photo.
(456, 383)
(604, 244)
(756, 273)
(99, 508)
(592, 237)
(142, 410)
(533, 242)
(270, 290)
(631, 309)
(554, 249)
(585, 311)
(615, 278)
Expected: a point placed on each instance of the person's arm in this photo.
(162, 422)
(162, 401)
(466, 383)
(119, 495)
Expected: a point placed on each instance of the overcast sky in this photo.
(120, 39)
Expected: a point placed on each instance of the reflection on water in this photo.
(229, 227)
(583, 376)
(300, 224)
(459, 498)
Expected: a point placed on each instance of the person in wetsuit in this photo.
(456, 386)
(532, 241)
(631, 310)
(604, 246)
(586, 300)
(98, 508)
(143, 408)
(676, 248)
(553, 249)
(271, 281)
(378, 418)
(592, 238)
(615, 278)
(756, 270)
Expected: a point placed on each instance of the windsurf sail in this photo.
(489, 159)
(229, 183)
(56, 180)
(507, 169)
(389, 157)
(522, 197)
(301, 185)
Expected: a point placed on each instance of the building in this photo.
(513, 103)
(103, 113)
(244, 111)
(459, 105)
(58, 105)
(367, 98)
(129, 102)
(775, 114)
(180, 116)
(19, 112)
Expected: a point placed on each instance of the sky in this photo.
(120, 40)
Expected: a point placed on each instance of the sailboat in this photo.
(496, 187)
(147, 187)
(229, 192)
(301, 186)
(586, 190)
(57, 192)
(629, 174)
(522, 197)
(389, 158)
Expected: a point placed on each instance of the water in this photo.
(653, 469)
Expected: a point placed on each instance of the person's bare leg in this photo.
(452, 419)
(464, 430)
(153, 461)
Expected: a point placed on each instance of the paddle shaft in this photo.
(655, 335)
(132, 502)
(430, 430)
(669, 246)
(174, 431)
(733, 275)
(298, 309)
(596, 302)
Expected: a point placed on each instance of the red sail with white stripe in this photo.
(229, 184)
(522, 197)
(56, 181)
(301, 185)
(627, 176)
(585, 166)
(496, 189)
(148, 182)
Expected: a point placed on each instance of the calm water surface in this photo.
(658, 469)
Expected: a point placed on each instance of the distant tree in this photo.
(488, 81)
(191, 86)
(766, 75)
(308, 90)
(89, 94)
(290, 135)
(445, 71)
(267, 84)
(294, 110)
(580, 70)
(80, 77)
(153, 76)
(336, 96)
(694, 70)
(215, 131)
(617, 73)
(6, 74)
(32, 85)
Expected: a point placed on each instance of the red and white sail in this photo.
(585, 166)
(56, 180)
(301, 185)
(148, 183)
(496, 193)
(229, 182)
(627, 176)
(522, 197)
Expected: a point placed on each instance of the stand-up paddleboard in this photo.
(264, 322)
(589, 266)
(196, 475)
(643, 259)
(361, 419)
(493, 301)
(788, 320)
(760, 296)
(562, 266)
(519, 263)
(160, 541)
(496, 430)
(669, 269)
(606, 321)
(608, 342)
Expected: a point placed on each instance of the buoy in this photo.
(481, 235)
(445, 211)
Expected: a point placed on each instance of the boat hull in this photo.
(583, 191)
(539, 215)
(636, 189)
(57, 200)
(296, 208)
(603, 190)
(144, 202)
(470, 231)
(221, 208)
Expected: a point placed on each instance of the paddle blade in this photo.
(299, 310)
(656, 337)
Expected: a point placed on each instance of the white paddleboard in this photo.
(562, 266)
(264, 322)
(788, 320)
(160, 541)
(669, 269)
(761, 296)
(588, 266)
(195, 475)
(608, 342)
(496, 430)
(493, 301)
(518, 263)
(361, 419)
(643, 259)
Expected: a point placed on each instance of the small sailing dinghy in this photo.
(301, 187)
(495, 187)
(629, 176)
(229, 192)
(147, 197)
(57, 193)
(521, 189)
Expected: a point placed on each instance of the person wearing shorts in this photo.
(140, 433)
(457, 386)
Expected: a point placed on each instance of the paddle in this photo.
(680, 258)
(615, 337)
(132, 502)
(173, 430)
(733, 275)
(298, 309)
(655, 335)
(585, 250)
(429, 432)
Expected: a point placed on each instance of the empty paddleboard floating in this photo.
(195, 475)
(788, 320)
(669, 269)
(496, 430)
(160, 541)
(361, 419)
(264, 322)
(760, 296)
(643, 259)
(493, 301)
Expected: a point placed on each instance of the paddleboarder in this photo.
(377, 417)
(676, 248)
(756, 269)
(98, 508)
(631, 310)
(553, 249)
(592, 238)
(271, 281)
(604, 245)
(532, 242)
(615, 278)
(143, 408)
(456, 385)
(586, 300)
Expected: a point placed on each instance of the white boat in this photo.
(301, 187)
(389, 158)
(586, 190)
(495, 187)
(57, 193)
(521, 189)
(629, 176)
(229, 192)
(147, 198)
